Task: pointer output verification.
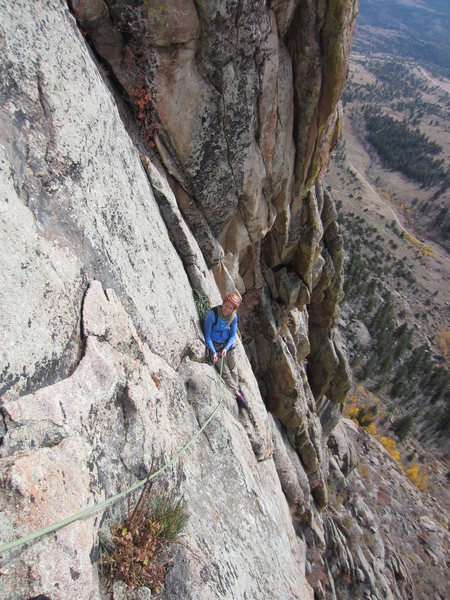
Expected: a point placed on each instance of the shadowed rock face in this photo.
(245, 96)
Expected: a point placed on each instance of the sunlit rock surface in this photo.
(107, 226)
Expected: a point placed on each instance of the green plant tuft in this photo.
(169, 514)
(202, 305)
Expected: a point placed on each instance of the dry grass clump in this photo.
(139, 553)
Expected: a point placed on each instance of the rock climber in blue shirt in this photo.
(220, 335)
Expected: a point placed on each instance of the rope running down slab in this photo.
(96, 507)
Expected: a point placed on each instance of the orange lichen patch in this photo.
(156, 381)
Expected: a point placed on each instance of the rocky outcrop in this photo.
(244, 129)
(216, 186)
(103, 238)
(124, 380)
(77, 441)
(385, 538)
(225, 111)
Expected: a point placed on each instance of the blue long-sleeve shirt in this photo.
(222, 333)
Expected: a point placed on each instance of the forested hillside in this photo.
(391, 173)
(419, 30)
(406, 150)
(398, 104)
(402, 118)
(395, 320)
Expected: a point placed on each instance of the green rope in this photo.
(96, 507)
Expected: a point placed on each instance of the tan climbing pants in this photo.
(229, 371)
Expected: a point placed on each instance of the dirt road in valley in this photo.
(443, 84)
(360, 162)
(397, 220)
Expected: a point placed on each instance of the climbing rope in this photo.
(96, 507)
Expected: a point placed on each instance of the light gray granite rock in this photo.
(122, 406)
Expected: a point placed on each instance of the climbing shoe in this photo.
(242, 402)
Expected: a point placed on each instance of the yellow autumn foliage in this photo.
(391, 447)
(444, 342)
(372, 429)
(427, 249)
(384, 194)
(361, 401)
(351, 408)
(352, 413)
(415, 474)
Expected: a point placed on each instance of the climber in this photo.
(220, 335)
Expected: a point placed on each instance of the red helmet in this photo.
(233, 299)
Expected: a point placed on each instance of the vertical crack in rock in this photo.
(134, 433)
(47, 112)
(224, 129)
(3, 427)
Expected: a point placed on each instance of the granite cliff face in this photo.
(245, 100)
(107, 225)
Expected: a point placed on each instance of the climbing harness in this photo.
(96, 507)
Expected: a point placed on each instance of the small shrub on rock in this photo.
(140, 545)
